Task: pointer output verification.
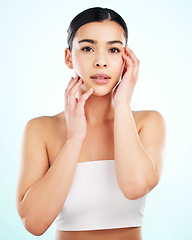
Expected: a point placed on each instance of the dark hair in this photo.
(96, 14)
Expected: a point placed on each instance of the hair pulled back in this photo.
(96, 14)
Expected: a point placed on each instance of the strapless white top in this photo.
(95, 201)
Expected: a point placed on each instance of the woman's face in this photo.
(97, 49)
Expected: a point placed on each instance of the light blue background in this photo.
(34, 77)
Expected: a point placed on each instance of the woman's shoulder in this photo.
(147, 113)
(48, 132)
(47, 120)
(46, 125)
(148, 117)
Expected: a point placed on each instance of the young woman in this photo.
(90, 167)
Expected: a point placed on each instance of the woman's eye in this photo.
(114, 50)
(87, 49)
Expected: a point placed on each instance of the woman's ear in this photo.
(68, 58)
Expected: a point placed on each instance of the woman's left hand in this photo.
(124, 90)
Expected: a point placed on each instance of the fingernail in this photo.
(90, 90)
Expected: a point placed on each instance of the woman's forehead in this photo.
(101, 31)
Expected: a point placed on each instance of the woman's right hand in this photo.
(74, 109)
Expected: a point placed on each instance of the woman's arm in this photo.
(41, 190)
(138, 157)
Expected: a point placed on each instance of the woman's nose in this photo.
(101, 65)
(100, 61)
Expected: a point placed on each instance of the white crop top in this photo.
(95, 201)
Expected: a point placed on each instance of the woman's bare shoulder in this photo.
(146, 113)
(47, 120)
(46, 125)
(149, 117)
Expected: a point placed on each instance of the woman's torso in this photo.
(106, 234)
(98, 145)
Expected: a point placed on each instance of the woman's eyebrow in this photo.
(95, 42)
(87, 40)
(115, 41)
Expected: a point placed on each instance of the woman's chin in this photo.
(101, 92)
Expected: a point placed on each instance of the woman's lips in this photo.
(100, 78)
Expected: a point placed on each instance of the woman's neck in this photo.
(98, 109)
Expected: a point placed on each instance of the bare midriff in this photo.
(132, 233)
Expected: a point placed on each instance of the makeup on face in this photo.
(97, 54)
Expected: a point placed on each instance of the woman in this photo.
(90, 167)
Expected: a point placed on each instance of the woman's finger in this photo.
(65, 94)
(83, 99)
(71, 83)
(130, 64)
(132, 55)
(72, 96)
(128, 61)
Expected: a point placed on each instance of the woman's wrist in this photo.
(75, 140)
(122, 106)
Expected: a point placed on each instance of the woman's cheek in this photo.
(119, 67)
(77, 68)
(80, 65)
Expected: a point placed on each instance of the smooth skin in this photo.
(93, 125)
